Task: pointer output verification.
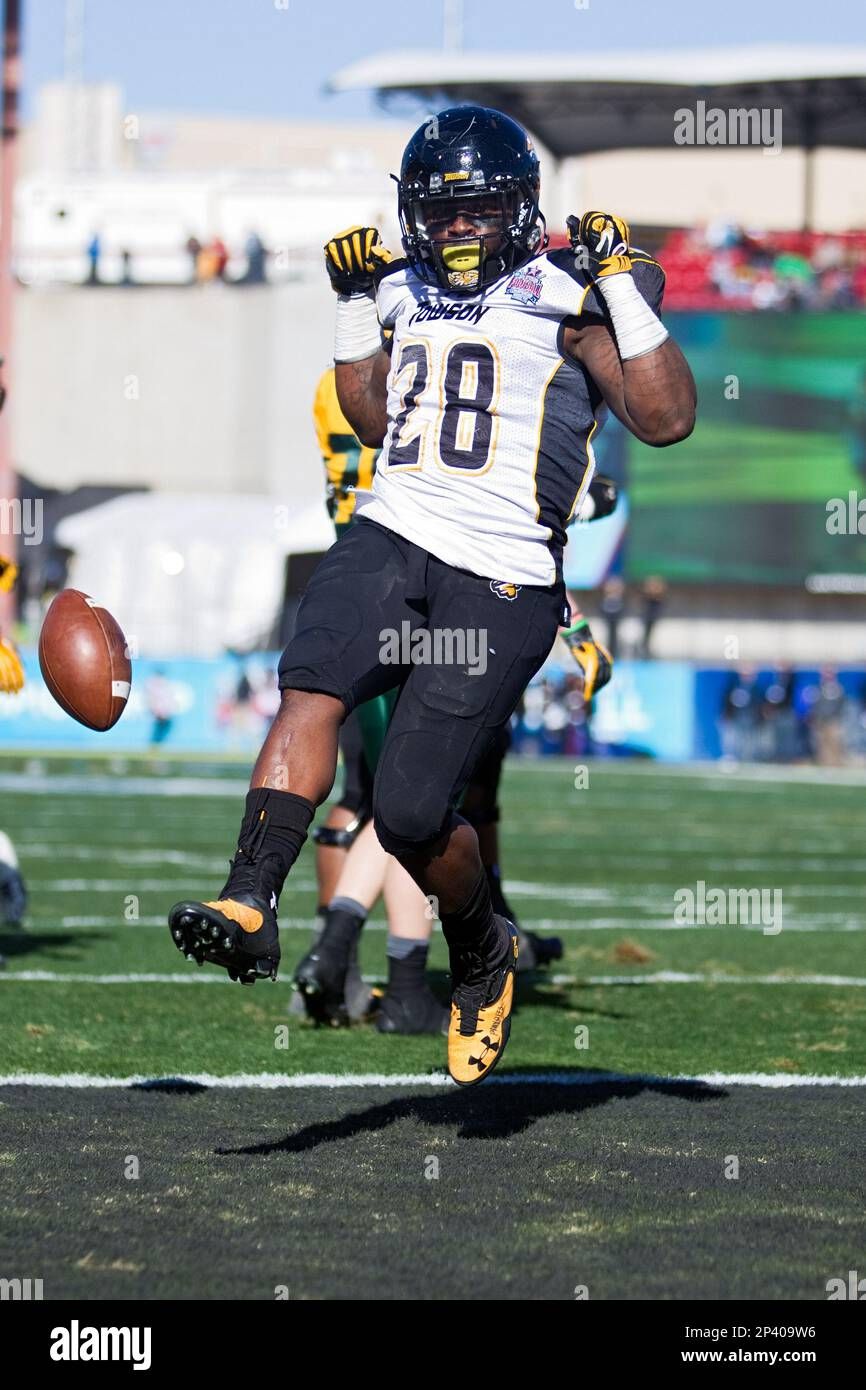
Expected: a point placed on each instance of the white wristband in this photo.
(357, 333)
(637, 328)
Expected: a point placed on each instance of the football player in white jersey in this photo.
(448, 587)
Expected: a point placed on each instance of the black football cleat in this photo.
(328, 978)
(362, 1000)
(238, 931)
(412, 1013)
(536, 951)
(481, 1003)
(320, 979)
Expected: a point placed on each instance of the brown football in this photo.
(84, 659)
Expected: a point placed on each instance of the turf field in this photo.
(338, 1164)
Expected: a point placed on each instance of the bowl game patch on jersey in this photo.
(526, 285)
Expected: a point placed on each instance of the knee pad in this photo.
(343, 836)
(408, 830)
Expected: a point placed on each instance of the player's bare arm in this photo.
(362, 393)
(353, 259)
(653, 395)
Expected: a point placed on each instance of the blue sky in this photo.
(254, 57)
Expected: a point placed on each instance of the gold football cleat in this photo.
(481, 1009)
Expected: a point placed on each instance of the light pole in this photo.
(452, 25)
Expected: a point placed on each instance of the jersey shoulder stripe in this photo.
(647, 274)
(649, 277)
(563, 259)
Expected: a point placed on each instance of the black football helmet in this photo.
(476, 165)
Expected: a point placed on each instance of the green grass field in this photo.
(617, 1182)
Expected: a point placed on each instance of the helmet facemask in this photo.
(465, 237)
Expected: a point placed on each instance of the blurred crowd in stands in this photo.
(208, 262)
(721, 266)
(785, 717)
(552, 719)
(793, 717)
(630, 616)
(725, 267)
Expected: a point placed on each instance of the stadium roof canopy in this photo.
(578, 103)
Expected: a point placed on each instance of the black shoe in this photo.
(412, 1013)
(329, 977)
(537, 950)
(320, 979)
(239, 930)
(481, 1002)
(362, 1000)
(297, 1007)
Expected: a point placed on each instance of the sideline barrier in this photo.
(657, 709)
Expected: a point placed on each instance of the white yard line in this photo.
(53, 977)
(819, 922)
(826, 922)
(644, 901)
(660, 977)
(101, 853)
(71, 784)
(333, 1081)
(609, 779)
(139, 885)
(657, 858)
(608, 774)
(66, 923)
(676, 977)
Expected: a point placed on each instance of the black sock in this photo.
(406, 967)
(501, 905)
(275, 826)
(473, 923)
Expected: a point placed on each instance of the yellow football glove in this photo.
(594, 660)
(600, 242)
(353, 257)
(11, 672)
(8, 574)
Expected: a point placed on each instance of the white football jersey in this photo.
(488, 450)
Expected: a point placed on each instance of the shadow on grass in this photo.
(175, 1085)
(16, 944)
(502, 1107)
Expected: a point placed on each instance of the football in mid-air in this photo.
(84, 659)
